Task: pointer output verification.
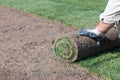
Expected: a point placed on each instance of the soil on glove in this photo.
(26, 49)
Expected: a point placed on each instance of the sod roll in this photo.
(71, 47)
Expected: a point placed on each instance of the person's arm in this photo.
(103, 27)
(108, 18)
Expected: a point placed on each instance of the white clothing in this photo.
(111, 13)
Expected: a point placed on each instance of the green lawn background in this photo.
(78, 14)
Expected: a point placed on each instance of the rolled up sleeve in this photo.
(111, 13)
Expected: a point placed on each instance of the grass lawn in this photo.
(79, 14)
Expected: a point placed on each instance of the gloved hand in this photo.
(88, 32)
(119, 36)
(117, 25)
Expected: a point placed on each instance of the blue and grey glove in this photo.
(88, 32)
(117, 25)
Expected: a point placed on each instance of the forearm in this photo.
(104, 27)
(110, 16)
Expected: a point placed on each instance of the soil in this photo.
(26, 49)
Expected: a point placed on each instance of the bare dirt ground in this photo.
(26, 49)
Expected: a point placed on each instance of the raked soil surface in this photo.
(26, 49)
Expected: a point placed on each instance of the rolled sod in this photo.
(71, 47)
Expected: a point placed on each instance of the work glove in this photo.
(119, 36)
(88, 32)
(117, 25)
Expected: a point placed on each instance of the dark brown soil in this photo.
(26, 49)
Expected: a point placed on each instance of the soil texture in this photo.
(26, 49)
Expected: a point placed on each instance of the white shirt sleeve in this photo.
(111, 13)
